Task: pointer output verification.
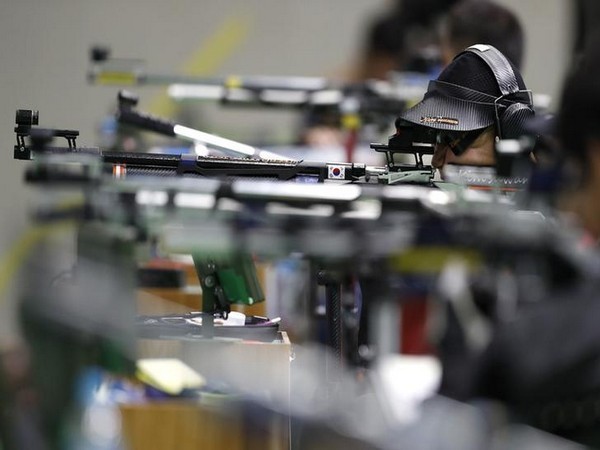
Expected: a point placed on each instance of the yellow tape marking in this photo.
(433, 259)
(208, 58)
(11, 262)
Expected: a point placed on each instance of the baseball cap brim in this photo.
(449, 113)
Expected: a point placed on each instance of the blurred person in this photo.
(399, 38)
(383, 47)
(481, 22)
(396, 38)
(579, 135)
(586, 26)
(544, 362)
(477, 100)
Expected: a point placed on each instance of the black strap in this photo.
(500, 66)
(461, 92)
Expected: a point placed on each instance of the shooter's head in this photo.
(479, 98)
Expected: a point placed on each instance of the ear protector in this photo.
(515, 105)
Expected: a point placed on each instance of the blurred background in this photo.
(45, 45)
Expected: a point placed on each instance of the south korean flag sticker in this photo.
(336, 173)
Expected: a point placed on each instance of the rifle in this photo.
(251, 164)
(249, 161)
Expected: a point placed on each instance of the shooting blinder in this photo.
(458, 141)
(408, 133)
